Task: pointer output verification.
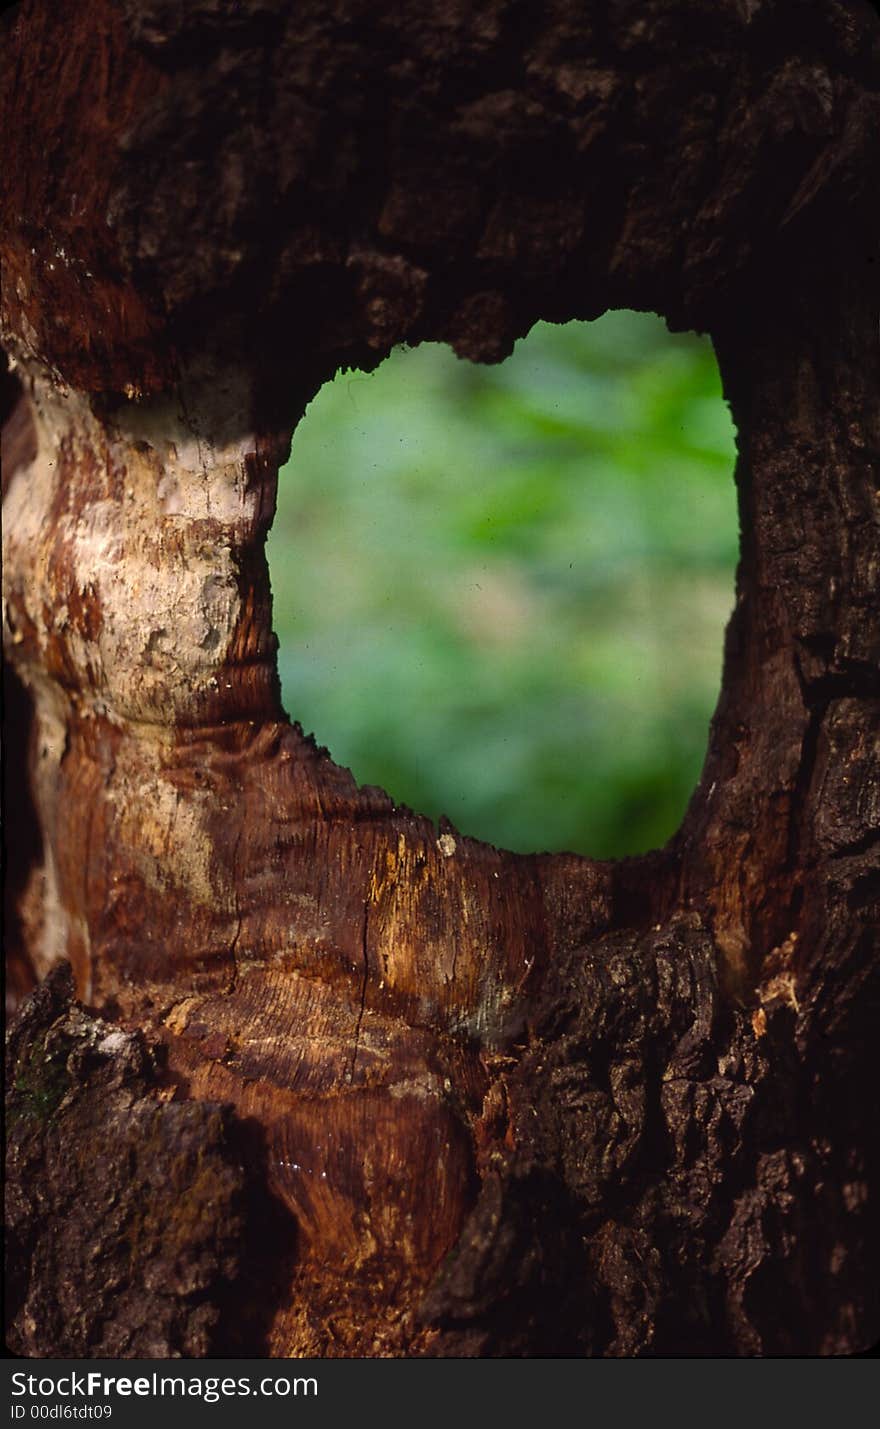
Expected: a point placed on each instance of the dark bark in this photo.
(507, 1104)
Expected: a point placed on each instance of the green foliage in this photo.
(500, 592)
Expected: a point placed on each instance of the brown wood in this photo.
(479, 1102)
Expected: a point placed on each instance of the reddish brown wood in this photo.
(502, 1104)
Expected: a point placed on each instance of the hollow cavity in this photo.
(500, 593)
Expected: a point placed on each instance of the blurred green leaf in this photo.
(501, 592)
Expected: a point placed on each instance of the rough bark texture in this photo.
(122, 1213)
(500, 1104)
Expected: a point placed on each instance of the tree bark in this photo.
(459, 1100)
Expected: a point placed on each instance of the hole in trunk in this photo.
(500, 592)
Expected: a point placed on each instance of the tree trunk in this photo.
(416, 1095)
